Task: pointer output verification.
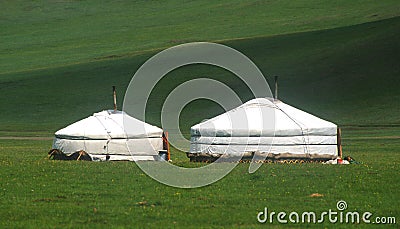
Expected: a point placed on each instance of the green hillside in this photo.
(42, 34)
(347, 75)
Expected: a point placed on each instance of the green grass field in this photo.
(58, 61)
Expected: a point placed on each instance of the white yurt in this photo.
(266, 127)
(104, 137)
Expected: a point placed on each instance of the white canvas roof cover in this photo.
(264, 125)
(103, 133)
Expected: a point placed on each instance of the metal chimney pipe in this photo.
(115, 98)
(276, 87)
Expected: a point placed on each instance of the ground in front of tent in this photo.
(37, 192)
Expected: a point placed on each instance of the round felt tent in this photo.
(267, 127)
(103, 136)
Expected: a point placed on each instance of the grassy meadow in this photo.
(58, 61)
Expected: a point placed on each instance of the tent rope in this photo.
(126, 135)
(105, 128)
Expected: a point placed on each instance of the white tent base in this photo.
(81, 155)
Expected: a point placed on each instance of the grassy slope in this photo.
(346, 75)
(41, 34)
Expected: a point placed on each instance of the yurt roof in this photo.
(109, 124)
(264, 117)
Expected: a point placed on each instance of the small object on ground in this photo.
(351, 160)
(332, 162)
(338, 161)
(345, 162)
(56, 154)
(341, 161)
(142, 203)
(316, 195)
